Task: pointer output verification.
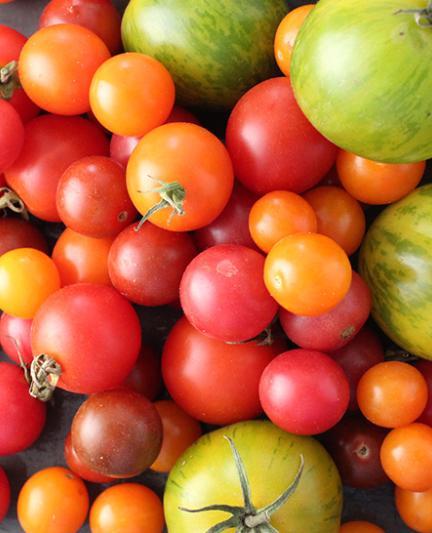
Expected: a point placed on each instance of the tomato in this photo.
(354, 445)
(74, 464)
(92, 198)
(15, 338)
(131, 93)
(99, 16)
(377, 183)
(206, 474)
(81, 259)
(53, 500)
(56, 66)
(179, 431)
(425, 367)
(286, 35)
(406, 457)
(360, 526)
(307, 274)
(11, 135)
(339, 215)
(27, 278)
(146, 265)
(117, 433)
(92, 332)
(277, 214)
(181, 114)
(392, 394)
(312, 376)
(271, 143)
(415, 509)
(34, 176)
(227, 280)
(127, 507)
(19, 233)
(145, 376)
(22, 418)
(202, 375)
(336, 327)
(11, 42)
(4, 494)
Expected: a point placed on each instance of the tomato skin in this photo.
(15, 338)
(202, 375)
(74, 464)
(425, 367)
(19, 233)
(11, 135)
(22, 425)
(227, 278)
(145, 376)
(34, 176)
(415, 509)
(71, 327)
(360, 526)
(4, 494)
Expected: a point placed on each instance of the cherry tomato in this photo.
(190, 166)
(392, 394)
(227, 280)
(22, 418)
(360, 526)
(4, 494)
(146, 265)
(99, 16)
(304, 392)
(145, 377)
(339, 215)
(425, 367)
(406, 457)
(415, 509)
(92, 198)
(127, 507)
(117, 433)
(53, 500)
(15, 338)
(377, 183)
(27, 278)
(180, 114)
(202, 375)
(19, 233)
(179, 431)
(278, 214)
(11, 135)
(92, 332)
(74, 464)
(56, 66)
(11, 42)
(307, 274)
(35, 176)
(131, 94)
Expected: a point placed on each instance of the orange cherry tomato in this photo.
(377, 183)
(286, 34)
(307, 273)
(179, 431)
(339, 216)
(360, 526)
(128, 507)
(415, 509)
(406, 457)
(392, 394)
(53, 500)
(278, 214)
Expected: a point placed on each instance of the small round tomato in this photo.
(307, 274)
(53, 500)
(415, 509)
(4, 494)
(56, 66)
(392, 394)
(377, 183)
(11, 135)
(15, 338)
(19, 233)
(131, 94)
(360, 526)
(406, 457)
(27, 278)
(278, 214)
(180, 114)
(146, 375)
(127, 507)
(425, 367)
(73, 462)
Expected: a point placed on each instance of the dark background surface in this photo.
(373, 505)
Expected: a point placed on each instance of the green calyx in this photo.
(422, 16)
(248, 519)
(9, 80)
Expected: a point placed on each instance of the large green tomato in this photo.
(214, 49)
(206, 474)
(362, 74)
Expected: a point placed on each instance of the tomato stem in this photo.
(422, 16)
(10, 200)
(44, 376)
(9, 80)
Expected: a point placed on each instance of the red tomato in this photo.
(304, 392)
(35, 176)
(146, 377)
(4, 494)
(425, 367)
(11, 135)
(415, 509)
(11, 42)
(180, 114)
(78, 468)
(15, 338)
(19, 233)
(272, 144)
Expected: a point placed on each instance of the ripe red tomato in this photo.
(74, 463)
(19, 233)
(146, 375)
(15, 338)
(4, 494)
(425, 367)
(415, 509)
(11, 135)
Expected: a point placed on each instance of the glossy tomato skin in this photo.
(304, 392)
(272, 144)
(11, 135)
(425, 367)
(227, 279)
(360, 526)
(92, 332)
(4, 494)
(19, 233)
(212, 381)
(117, 433)
(147, 264)
(15, 338)
(73, 462)
(34, 176)
(22, 417)
(146, 375)
(415, 509)
(122, 146)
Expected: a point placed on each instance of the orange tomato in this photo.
(360, 526)
(307, 273)
(377, 183)
(53, 500)
(415, 509)
(278, 214)
(339, 216)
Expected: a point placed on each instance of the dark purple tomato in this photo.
(117, 433)
(425, 368)
(11, 135)
(15, 338)
(19, 233)
(146, 376)
(4, 494)
(73, 462)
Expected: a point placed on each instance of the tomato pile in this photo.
(260, 175)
